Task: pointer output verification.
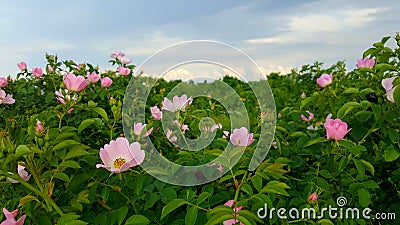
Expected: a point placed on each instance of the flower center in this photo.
(118, 162)
(1, 99)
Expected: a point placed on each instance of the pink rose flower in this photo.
(225, 134)
(3, 82)
(117, 54)
(365, 63)
(10, 218)
(124, 71)
(230, 203)
(335, 129)
(22, 66)
(75, 83)
(325, 80)
(387, 83)
(309, 118)
(138, 129)
(93, 77)
(37, 72)
(303, 95)
(313, 197)
(156, 112)
(177, 103)
(6, 98)
(39, 129)
(118, 156)
(106, 82)
(50, 68)
(168, 134)
(22, 173)
(241, 137)
(124, 60)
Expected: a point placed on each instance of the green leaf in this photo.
(85, 124)
(275, 187)
(65, 144)
(137, 220)
(191, 216)
(119, 214)
(346, 108)
(364, 197)
(203, 196)
(218, 219)
(368, 166)
(67, 218)
(75, 153)
(70, 164)
(350, 91)
(171, 206)
(325, 222)
(396, 95)
(315, 141)
(27, 199)
(101, 112)
(22, 150)
(61, 176)
(391, 154)
(370, 184)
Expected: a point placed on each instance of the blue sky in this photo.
(278, 35)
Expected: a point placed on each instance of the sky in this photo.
(277, 35)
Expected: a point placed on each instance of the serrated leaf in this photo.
(391, 154)
(315, 141)
(368, 166)
(275, 187)
(61, 176)
(22, 150)
(101, 112)
(65, 144)
(191, 216)
(137, 220)
(75, 153)
(203, 196)
(69, 164)
(27, 199)
(364, 197)
(346, 108)
(85, 124)
(171, 206)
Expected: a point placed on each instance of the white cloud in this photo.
(314, 23)
(361, 17)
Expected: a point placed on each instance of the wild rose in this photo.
(241, 137)
(6, 98)
(212, 128)
(93, 77)
(177, 103)
(365, 63)
(231, 203)
(39, 129)
(312, 198)
(124, 60)
(303, 95)
(335, 129)
(309, 118)
(274, 144)
(124, 71)
(138, 129)
(22, 66)
(10, 218)
(168, 134)
(220, 168)
(50, 68)
(37, 72)
(156, 113)
(117, 54)
(387, 83)
(118, 156)
(65, 98)
(3, 82)
(324, 80)
(183, 127)
(106, 82)
(75, 83)
(22, 173)
(70, 110)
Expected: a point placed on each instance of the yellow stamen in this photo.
(118, 162)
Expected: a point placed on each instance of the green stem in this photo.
(38, 192)
(240, 186)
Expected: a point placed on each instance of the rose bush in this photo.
(65, 158)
